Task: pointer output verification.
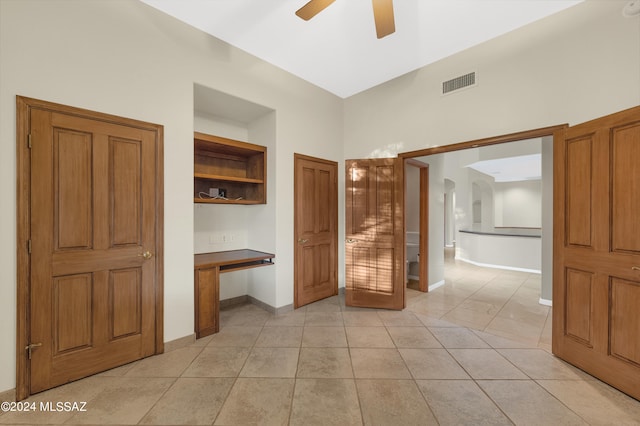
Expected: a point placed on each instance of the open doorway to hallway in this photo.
(488, 209)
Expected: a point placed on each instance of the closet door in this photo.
(316, 229)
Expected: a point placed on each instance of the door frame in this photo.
(478, 143)
(23, 220)
(423, 263)
(334, 237)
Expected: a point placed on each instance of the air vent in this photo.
(459, 82)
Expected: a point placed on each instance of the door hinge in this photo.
(29, 140)
(29, 246)
(29, 348)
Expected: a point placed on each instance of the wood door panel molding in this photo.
(625, 300)
(65, 257)
(625, 187)
(73, 212)
(125, 188)
(73, 310)
(125, 303)
(579, 196)
(578, 305)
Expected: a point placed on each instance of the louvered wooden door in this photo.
(93, 234)
(596, 294)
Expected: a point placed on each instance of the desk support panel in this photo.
(207, 268)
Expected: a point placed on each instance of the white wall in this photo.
(125, 58)
(579, 64)
(518, 253)
(546, 286)
(519, 203)
(449, 211)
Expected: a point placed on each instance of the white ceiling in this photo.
(512, 169)
(338, 49)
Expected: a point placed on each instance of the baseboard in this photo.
(8, 395)
(179, 343)
(545, 302)
(507, 268)
(276, 311)
(234, 301)
(436, 285)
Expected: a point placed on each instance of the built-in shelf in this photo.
(239, 168)
(220, 201)
(206, 176)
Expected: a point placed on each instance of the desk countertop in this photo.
(231, 257)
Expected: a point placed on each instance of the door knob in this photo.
(302, 240)
(146, 255)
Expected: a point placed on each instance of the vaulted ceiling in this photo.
(338, 49)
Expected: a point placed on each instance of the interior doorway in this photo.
(417, 225)
(450, 193)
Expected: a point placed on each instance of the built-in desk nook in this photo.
(208, 267)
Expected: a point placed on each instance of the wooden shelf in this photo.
(222, 201)
(206, 176)
(237, 167)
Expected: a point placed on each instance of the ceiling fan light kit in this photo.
(382, 14)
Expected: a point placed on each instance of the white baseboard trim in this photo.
(436, 285)
(508, 268)
(545, 302)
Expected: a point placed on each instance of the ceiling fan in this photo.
(382, 13)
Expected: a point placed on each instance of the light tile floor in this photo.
(498, 302)
(470, 353)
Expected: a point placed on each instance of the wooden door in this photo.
(423, 190)
(94, 245)
(316, 229)
(596, 294)
(374, 256)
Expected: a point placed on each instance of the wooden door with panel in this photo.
(316, 229)
(374, 250)
(93, 231)
(596, 288)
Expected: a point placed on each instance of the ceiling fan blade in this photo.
(383, 15)
(312, 8)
